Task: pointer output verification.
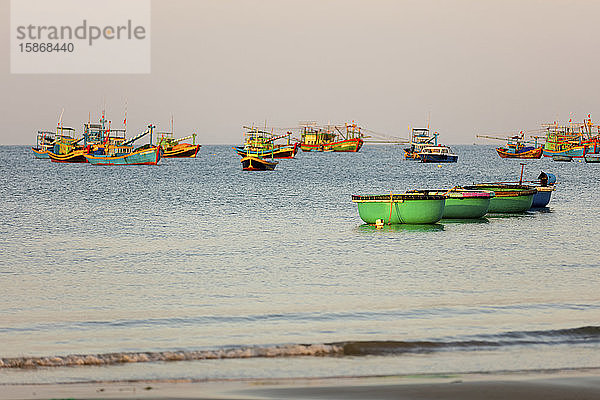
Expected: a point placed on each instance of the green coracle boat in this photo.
(462, 203)
(507, 198)
(405, 208)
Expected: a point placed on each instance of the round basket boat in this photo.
(462, 203)
(507, 198)
(405, 208)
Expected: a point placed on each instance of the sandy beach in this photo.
(580, 384)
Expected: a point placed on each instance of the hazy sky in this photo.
(474, 66)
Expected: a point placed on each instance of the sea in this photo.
(196, 270)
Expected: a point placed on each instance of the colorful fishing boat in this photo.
(263, 144)
(66, 147)
(508, 198)
(517, 147)
(462, 203)
(347, 138)
(405, 208)
(573, 140)
(437, 154)
(254, 163)
(44, 143)
(176, 148)
(117, 150)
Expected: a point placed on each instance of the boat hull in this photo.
(575, 151)
(344, 146)
(470, 207)
(461, 203)
(182, 151)
(42, 154)
(562, 158)
(438, 158)
(400, 209)
(148, 156)
(508, 198)
(251, 163)
(527, 152)
(76, 156)
(592, 158)
(542, 196)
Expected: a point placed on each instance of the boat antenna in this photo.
(60, 118)
(172, 131)
(125, 118)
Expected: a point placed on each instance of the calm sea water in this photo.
(233, 272)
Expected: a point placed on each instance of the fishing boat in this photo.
(66, 147)
(44, 143)
(437, 154)
(462, 203)
(420, 138)
(263, 144)
(405, 208)
(517, 147)
(347, 138)
(573, 140)
(176, 148)
(117, 150)
(254, 163)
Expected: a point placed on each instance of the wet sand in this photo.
(581, 385)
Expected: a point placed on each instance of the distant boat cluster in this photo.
(561, 142)
(100, 144)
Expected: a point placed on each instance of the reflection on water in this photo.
(402, 227)
(482, 220)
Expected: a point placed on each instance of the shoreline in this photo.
(582, 384)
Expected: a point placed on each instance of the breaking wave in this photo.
(582, 335)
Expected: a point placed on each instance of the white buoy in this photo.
(379, 223)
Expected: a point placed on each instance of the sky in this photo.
(465, 67)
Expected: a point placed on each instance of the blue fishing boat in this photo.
(437, 154)
(117, 150)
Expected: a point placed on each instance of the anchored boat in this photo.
(66, 148)
(573, 140)
(254, 163)
(462, 203)
(420, 138)
(347, 138)
(437, 154)
(261, 143)
(174, 148)
(117, 150)
(508, 198)
(405, 208)
(517, 147)
(44, 143)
